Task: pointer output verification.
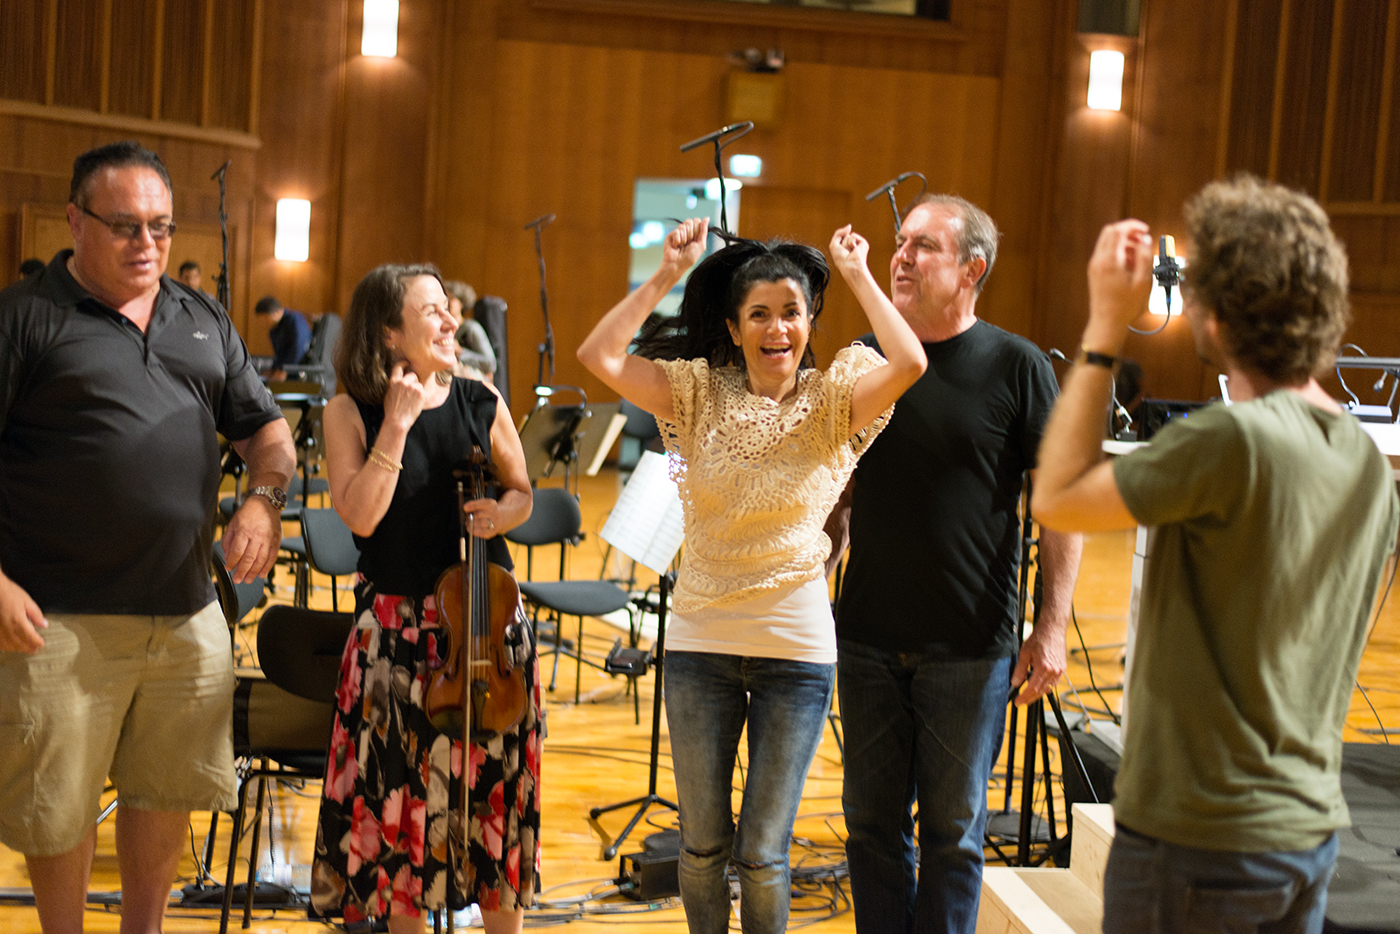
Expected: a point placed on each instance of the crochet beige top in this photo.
(758, 478)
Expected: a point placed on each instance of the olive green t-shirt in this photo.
(1274, 519)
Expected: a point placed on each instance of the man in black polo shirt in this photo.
(114, 659)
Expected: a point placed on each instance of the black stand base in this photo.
(265, 895)
(643, 804)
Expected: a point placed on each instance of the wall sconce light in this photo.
(293, 238)
(731, 186)
(381, 30)
(1105, 80)
(745, 166)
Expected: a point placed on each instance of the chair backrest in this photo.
(319, 362)
(325, 337)
(555, 520)
(236, 600)
(641, 424)
(299, 650)
(330, 548)
(490, 312)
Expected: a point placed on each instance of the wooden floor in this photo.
(595, 754)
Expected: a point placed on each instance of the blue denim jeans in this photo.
(926, 730)
(1154, 887)
(709, 697)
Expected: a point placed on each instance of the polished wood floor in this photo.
(596, 754)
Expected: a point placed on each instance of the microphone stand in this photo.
(222, 291)
(734, 131)
(888, 189)
(546, 349)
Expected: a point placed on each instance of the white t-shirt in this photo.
(792, 623)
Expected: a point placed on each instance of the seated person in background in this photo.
(475, 358)
(190, 274)
(290, 333)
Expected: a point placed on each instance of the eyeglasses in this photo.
(130, 230)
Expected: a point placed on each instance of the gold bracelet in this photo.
(384, 460)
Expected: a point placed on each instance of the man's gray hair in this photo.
(979, 234)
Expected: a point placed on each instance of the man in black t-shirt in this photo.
(927, 621)
(115, 382)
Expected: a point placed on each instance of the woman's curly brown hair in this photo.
(1264, 260)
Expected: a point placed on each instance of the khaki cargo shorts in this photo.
(146, 700)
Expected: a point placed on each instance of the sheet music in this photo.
(647, 523)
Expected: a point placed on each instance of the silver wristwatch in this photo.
(277, 496)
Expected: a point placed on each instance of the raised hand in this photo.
(686, 244)
(848, 252)
(404, 399)
(1120, 273)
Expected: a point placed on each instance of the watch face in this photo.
(278, 498)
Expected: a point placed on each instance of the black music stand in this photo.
(646, 525)
(1024, 827)
(306, 397)
(568, 439)
(651, 798)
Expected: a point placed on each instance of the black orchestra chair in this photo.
(329, 548)
(556, 520)
(282, 721)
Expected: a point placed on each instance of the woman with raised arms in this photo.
(761, 444)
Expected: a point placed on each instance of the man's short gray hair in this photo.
(979, 234)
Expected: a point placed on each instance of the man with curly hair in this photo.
(1274, 518)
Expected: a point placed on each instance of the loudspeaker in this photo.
(1116, 17)
(652, 873)
(1100, 762)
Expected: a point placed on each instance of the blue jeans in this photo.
(922, 729)
(1154, 887)
(708, 699)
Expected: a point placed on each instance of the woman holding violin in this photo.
(390, 839)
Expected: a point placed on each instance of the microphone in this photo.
(541, 222)
(1167, 270)
(894, 182)
(717, 134)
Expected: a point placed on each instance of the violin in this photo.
(477, 689)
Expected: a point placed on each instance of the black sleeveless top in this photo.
(418, 537)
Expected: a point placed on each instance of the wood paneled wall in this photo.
(587, 97)
(496, 111)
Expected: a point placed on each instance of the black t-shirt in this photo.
(935, 536)
(419, 536)
(109, 455)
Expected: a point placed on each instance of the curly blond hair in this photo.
(1264, 260)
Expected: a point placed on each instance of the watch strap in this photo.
(275, 495)
(1094, 358)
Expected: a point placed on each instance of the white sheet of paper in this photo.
(647, 524)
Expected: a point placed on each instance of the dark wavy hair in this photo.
(361, 360)
(1264, 260)
(718, 286)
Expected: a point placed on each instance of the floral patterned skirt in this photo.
(389, 837)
